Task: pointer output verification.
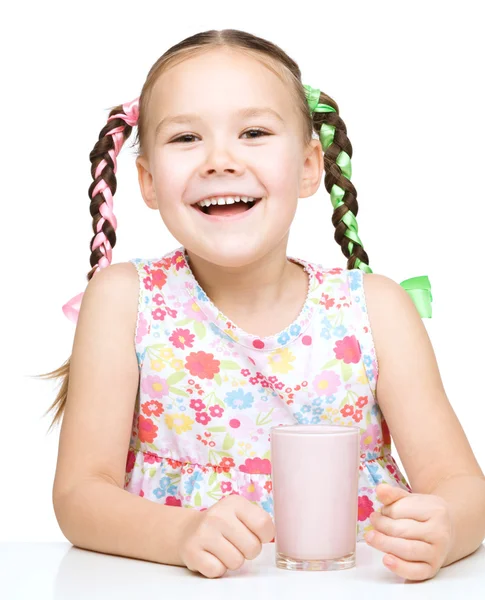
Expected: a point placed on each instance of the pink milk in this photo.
(315, 473)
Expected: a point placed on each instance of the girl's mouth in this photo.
(227, 212)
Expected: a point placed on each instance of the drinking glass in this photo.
(315, 475)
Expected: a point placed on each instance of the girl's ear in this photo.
(145, 181)
(312, 169)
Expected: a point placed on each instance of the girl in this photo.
(182, 363)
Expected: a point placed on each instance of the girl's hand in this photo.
(414, 530)
(223, 536)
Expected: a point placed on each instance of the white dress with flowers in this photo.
(209, 391)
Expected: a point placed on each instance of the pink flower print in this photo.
(226, 487)
(348, 349)
(142, 328)
(347, 410)
(366, 508)
(150, 458)
(252, 491)
(182, 338)
(148, 283)
(202, 418)
(216, 411)
(155, 386)
(256, 465)
(241, 427)
(197, 405)
(326, 383)
(192, 310)
(158, 314)
(158, 299)
(369, 438)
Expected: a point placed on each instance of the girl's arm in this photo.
(429, 438)
(92, 508)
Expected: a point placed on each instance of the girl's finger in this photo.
(414, 506)
(412, 550)
(226, 552)
(415, 571)
(401, 528)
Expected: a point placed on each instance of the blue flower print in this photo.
(306, 408)
(301, 419)
(367, 360)
(326, 323)
(239, 399)
(284, 337)
(315, 420)
(374, 472)
(325, 334)
(354, 279)
(201, 295)
(317, 402)
(340, 331)
(267, 505)
(330, 399)
(295, 329)
(318, 410)
(193, 482)
(220, 333)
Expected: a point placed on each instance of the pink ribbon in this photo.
(130, 116)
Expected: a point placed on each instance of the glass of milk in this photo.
(315, 474)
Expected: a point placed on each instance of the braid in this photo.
(102, 189)
(337, 154)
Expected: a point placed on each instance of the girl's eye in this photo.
(261, 131)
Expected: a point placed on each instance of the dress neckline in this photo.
(232, 332)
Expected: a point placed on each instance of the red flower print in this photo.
(348, 349)
(366, 508)
(203, 365)
(357, 416)
(268, 486)
(216, 411)
(362, 401)
(172, 501)
(226, 486)
(256, 465)
(173, 463)
(227, 463)
(130, 461)
(202, 418)
(152, 407)
(182, 338)
(147, 430)
(326, 301)
(148, 283)
(197, 405)
(178, 260)
(158, 299)
(159, 278)
(245, 372)
(347, 410)
(142, 493)
(386, 436)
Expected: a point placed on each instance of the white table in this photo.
(60, 571)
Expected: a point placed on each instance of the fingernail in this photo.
(389, 561)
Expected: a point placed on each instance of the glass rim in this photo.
(319, 429)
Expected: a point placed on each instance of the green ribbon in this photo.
(419, 288)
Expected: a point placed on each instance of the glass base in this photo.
(330, 564)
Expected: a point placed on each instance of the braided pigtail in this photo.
(338, 171)
(337, 154)
(101, 191)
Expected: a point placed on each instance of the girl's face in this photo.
(214, 151)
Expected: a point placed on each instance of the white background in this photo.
(408, 83)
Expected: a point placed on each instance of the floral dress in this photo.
(209, 392)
